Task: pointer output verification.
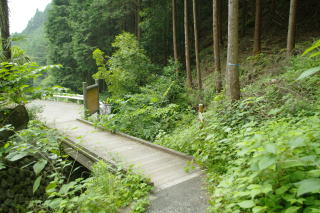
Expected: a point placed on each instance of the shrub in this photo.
(127, 69)
(277, 170)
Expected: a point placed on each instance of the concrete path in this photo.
(167, 171)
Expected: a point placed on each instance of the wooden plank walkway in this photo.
(163, 167)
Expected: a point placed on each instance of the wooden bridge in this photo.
(166, 168)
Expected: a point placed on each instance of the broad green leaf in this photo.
(38, 167)
(259, 209)
(282, 189)
(266, 161)
(266, 188)
(292, 209)
(292, 199)
(2, 166)
(297, 142)
(66, 187)
(274, 111)
(14, 156)
(314, 173)
(254, 192)
(271, 148)
(51, 188)
(308, 73)
(315, 54)
(246, 204)
(311, 185)
(292, 163)
(54, 204)
(314, 46)
(36, 184)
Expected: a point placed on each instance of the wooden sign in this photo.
(91, 98)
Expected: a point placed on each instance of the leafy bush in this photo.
(106, 191)
(16, 82)
(150, 112)
(212, 142)
(103, 192)
(127, 69)
(277, 170)
(40, 143)
(261, 152)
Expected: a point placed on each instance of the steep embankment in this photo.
(33, 40)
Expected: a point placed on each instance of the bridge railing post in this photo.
(84, 87)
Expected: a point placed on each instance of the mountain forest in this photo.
(234, 84)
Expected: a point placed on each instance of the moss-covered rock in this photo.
(16, 116)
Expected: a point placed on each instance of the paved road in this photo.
(166, 171)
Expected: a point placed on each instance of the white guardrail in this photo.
(69, 96)
(105, 109)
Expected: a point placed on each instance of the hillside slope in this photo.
(33, 39)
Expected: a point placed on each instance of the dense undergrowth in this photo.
(37, 176)
(261, 153)
(62, 188)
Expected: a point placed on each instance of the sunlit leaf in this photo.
(308, 73)
(271, 148)
(266, 161)
(258, 209)
(38, 167)
(292, 209)
(311, 185)
(36, 184)
(14, 156)
(297, 142)
(246, 204)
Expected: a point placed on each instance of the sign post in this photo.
(91, 98)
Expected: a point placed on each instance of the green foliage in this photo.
(212, 142)
(105, 191)
(313, 70)
(16, 82)
(276, 169)
(315, 46)
(33, 39)
(59, 34)
(127, 69)
(158, 108)
(261, 152)
(38, 142)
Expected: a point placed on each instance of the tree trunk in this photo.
(5, 32)
(216, 43)
(219, 10)
(174, 35)
(292, 27)
(187, 46)
(233, 85)
(196, 44)
(257, 30)
(138, 20)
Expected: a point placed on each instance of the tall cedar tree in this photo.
(174, 35)
(196, 44)
(257, 30)
(216, 43)
(5, 32)
(292, 27)
(233, 85)
(138, 19)
(187, 45)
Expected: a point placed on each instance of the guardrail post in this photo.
(84, 86)
(200, 111)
